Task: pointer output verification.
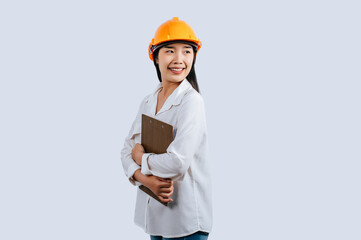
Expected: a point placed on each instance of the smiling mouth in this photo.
(176, 70)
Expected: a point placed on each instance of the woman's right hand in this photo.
(161, 187)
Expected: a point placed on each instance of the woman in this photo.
(181, 176)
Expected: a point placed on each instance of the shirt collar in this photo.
(174, 99)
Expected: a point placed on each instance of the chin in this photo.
(176, 79)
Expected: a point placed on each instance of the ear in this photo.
(156, 60)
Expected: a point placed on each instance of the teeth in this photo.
(176, 69)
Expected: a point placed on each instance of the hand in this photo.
(161, 187)
(137, 153)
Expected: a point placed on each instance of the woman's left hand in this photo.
(137, 153)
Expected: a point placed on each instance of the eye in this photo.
(169, 51)
(187, 51)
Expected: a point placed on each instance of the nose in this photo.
(178, 58)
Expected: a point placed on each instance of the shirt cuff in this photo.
(145, 167)
(131, 170)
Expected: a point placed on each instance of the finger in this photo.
(164, 180)
(166, 190)
(172, 190)
(169, 190)
(165, 200)
(140, 147)
(165, 195)
(164, 185)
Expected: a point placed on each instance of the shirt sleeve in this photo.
(129, 166)
(190, 135)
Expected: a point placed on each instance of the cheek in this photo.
(189, 65)
(163, 63)
(163, 68)
(189, 61)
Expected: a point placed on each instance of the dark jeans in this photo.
(195, 236)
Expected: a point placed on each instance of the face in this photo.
(175, 62)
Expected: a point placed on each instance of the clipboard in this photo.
(156, 136)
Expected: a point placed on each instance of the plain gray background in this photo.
(281, 84)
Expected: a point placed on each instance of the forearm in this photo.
(138, 176)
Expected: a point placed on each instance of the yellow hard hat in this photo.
(173, 30)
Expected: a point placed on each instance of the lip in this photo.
(176, 72)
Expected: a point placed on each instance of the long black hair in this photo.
(191, 77)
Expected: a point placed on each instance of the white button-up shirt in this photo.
(185, 162)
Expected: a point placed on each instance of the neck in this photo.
(168, 88)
